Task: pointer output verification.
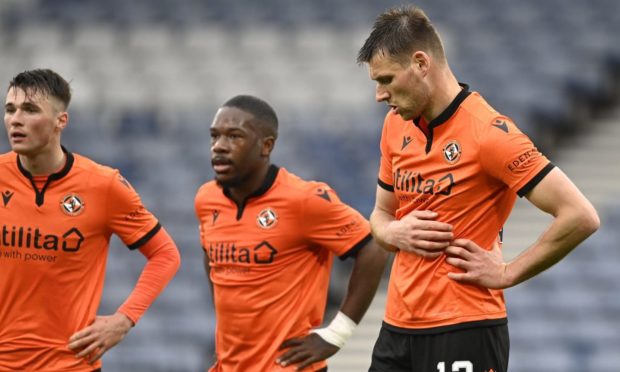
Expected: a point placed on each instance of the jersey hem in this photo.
(446, 328)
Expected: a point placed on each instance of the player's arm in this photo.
(417, 232)
(367, 270)
(163, 261)
(574, 219)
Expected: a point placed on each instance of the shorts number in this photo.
(456, 366)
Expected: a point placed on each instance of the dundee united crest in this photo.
(452, 152)
(72, 205)
(267, 218)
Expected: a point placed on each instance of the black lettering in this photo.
(428, 188)
(28, 236)
(72, 240)
(51, 242)
(419, 182)
(447, 190)
(244, 255)
(5, 234)
(37, 235)
(233, 253)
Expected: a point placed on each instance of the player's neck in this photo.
(250, 185)
(445, 90)
(43, 163)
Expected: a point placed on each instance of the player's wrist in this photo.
(339, 330)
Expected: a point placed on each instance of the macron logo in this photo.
(501, 125)
(6, 197)
(406, 141)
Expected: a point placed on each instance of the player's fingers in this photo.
(431, 246)
(96, 355)
(457, 262)
(80, 334)
(467, 244)
(459, 277)
(298, 357)
(290, 343)
(455, 251)
(285, 358)
(434, 226)
(436, 236)
(307, 362)
(423, 215)
(88, 350)
(80, 343)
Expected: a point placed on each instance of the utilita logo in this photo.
(413, 182)
(33, 238)
(228, 252)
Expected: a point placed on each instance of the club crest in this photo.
(452, 152)
(267, 218)
(72, 205)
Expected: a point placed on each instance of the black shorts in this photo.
(480, 349)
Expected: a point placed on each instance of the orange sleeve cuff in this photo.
(163, 261)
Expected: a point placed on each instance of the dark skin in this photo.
(240, 150)
(363, 283)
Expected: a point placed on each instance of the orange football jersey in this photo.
(469, 170)
(53, 251)
(270, 261)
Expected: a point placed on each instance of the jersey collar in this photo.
(269, 180)
(52, 177)
(444, 116)
(450, 110)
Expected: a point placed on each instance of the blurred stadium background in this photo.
(148, 76)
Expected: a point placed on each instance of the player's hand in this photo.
(419, 233)
(482, 267)
(105, 332)
(305, 351)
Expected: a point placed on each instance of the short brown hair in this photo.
(43, 81)
(399, 32)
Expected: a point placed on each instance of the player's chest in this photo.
(259, 234)
(423, 170)
(55, 211)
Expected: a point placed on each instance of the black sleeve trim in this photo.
(356, 248)
(145, 238)
(384, 185)
(534, 181)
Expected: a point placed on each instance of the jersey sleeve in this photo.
(330, 223)
(509, 155)
(127, 216)
(385, 167)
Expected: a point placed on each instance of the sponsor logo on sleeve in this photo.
(522, 159)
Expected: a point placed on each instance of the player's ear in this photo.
(421, 61)
(267, 146)
(62, 119)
